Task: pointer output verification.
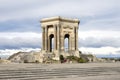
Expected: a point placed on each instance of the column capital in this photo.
(43, 26)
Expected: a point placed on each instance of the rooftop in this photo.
(58, 18)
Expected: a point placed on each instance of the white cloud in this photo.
(110, 23)
(11, 35)
(99, 38)
(36, 8)
(8, 52)
(99, 21)
(12, 51)
(102, 50)
(98, 34)
(93, 14)
(86, 39)
(87, 42)
(20, 40)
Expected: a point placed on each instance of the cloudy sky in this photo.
(99, 30)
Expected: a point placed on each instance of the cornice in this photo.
(58, 18)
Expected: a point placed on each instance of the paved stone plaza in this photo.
(87, 71)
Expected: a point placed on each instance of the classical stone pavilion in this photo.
(54, 32)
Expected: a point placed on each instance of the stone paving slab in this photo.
(87, 71)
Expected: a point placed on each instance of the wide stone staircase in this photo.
(41, 72)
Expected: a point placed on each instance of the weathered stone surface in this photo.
(26, 57)
(60, 28)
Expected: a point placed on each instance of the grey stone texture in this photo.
(91, 71)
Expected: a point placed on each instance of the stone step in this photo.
(36, 73)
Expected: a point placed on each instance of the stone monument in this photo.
(59, 28)
(55, 31)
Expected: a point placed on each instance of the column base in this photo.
(56, 54)
(77, 53)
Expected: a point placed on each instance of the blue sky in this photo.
(98, 31)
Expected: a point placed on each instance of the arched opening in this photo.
(66, 42)
(51, 37)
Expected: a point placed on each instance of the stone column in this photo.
(62, 43)
(73, 41)
(43, 38)
(46, 38)
(58, 37)
(69, 43)
(55, 37)
(48, 44)
(76, 38)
